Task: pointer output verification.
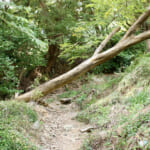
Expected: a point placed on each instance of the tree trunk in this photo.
(51, 57)
(148, 45)
(98, 58)
(148, 41)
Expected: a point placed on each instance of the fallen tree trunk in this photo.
(98, 58)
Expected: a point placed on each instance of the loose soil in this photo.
(59, 129)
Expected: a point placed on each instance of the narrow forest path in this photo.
(60, 130)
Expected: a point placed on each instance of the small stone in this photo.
(68, 127)
(53, 135)
(36, 125)
(65, 100)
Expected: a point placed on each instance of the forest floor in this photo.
(60, 130)
(58, 127)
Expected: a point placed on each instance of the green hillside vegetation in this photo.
(16, 120)
(130, 96)
(114, 101)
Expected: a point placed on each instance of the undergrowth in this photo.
(94, 86)
(113, 100)
(109, 101)
(122, 107)
(15, 122)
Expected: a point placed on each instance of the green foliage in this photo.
(77, 27)
(82, 96)
(122, 107)
(111, 82)
(141, 98)
(50, 100)
(119, 12)
(15, 120)
(37, 94)
(70, 93)
(21, 49)
(13, 141)
(136, 130)
(98, 115)
(8, 79)
(22, 41)
(86, 145)
(83, 45)
(88, 34)
(122, 60)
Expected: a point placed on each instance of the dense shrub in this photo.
(8, 79)
(20, 49)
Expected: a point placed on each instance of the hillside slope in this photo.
(122, 115)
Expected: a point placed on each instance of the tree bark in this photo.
(148, 41)
(96, 59)
(51, 57)
(148, 45)
(103, 44)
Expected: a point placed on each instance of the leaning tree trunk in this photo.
(98, 58)
(148, 40)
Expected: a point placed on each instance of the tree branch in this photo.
(90, 63)
(107, 39)
(139, 21)
(110, 53)
(71, 75)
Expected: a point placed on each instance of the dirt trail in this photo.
(60, 131)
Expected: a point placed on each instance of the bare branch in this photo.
(121, 46)
(107, 39)
(139, 21)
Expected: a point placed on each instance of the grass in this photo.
(135, 132)
(118, 107)
(15, 122)
(110, 101)
(88, 93)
